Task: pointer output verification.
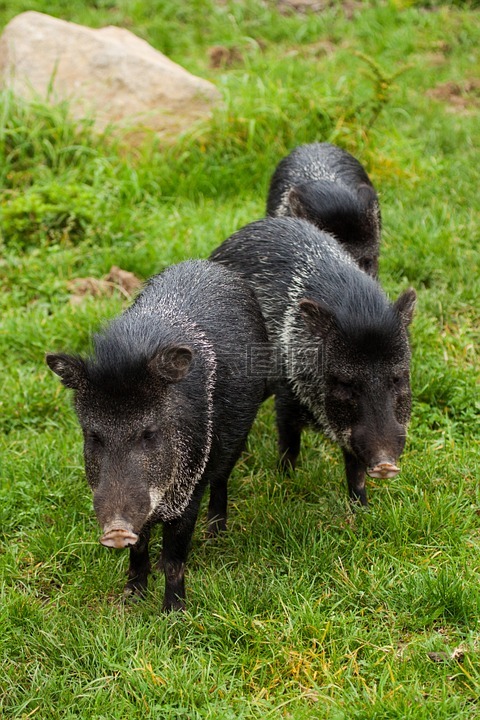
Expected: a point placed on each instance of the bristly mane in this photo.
(363, 314)
(371, 326)
(335, 205)
(122, 351)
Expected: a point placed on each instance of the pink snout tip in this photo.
(119, 538)
(383, 470)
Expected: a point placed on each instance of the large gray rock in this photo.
(109, 74)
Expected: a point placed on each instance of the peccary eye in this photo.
(398, 381)
(94, 439)
(343, 389)
(366, 264)
(149, 435)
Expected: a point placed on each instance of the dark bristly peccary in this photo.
(341, 349)
(165, 403)
(328, 187)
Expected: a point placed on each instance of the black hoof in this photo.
(216, 525)
(134, 591)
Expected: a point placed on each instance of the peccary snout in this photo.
(118, 534)
(383, 470)
(368, 412)
(378, 441)
(121, 497)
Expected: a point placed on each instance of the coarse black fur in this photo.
(328, 187)
(341, 348)
(165, 402)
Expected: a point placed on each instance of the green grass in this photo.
(300, 610)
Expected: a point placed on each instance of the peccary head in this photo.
(351, 215)
(137, 426)
(361, 393)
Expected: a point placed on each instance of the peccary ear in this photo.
(318, 318)
(296, 202)
(366, 195)
(172, 363)
(405, 305)
(69, 368)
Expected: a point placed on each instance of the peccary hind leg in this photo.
(355, 471)
(217, 506)
(139, 567)
(218, 480)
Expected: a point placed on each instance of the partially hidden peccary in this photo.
(165, 404)
(328, 187)
(341, 349)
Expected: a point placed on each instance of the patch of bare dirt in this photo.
(116, 280)
(301, 6)
(224, 57)
(436, 58)
(322, 47)
(288, 7)
(459, 97)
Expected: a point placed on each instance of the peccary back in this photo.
(165, 403)
(341, 349)
(328, 187)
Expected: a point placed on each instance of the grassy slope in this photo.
(299, 610)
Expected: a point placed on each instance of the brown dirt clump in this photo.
(459, 97)
(224, 57)
(116, 280)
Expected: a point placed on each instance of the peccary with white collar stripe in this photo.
(328, 187)
(341, 347)
(165, 404)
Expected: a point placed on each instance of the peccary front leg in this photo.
(290, 422)
(356, 472)
(139, 567)
(176, 545)
(177, 536)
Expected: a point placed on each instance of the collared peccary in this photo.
(342, 349)
(328, 187)
(165, 404)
